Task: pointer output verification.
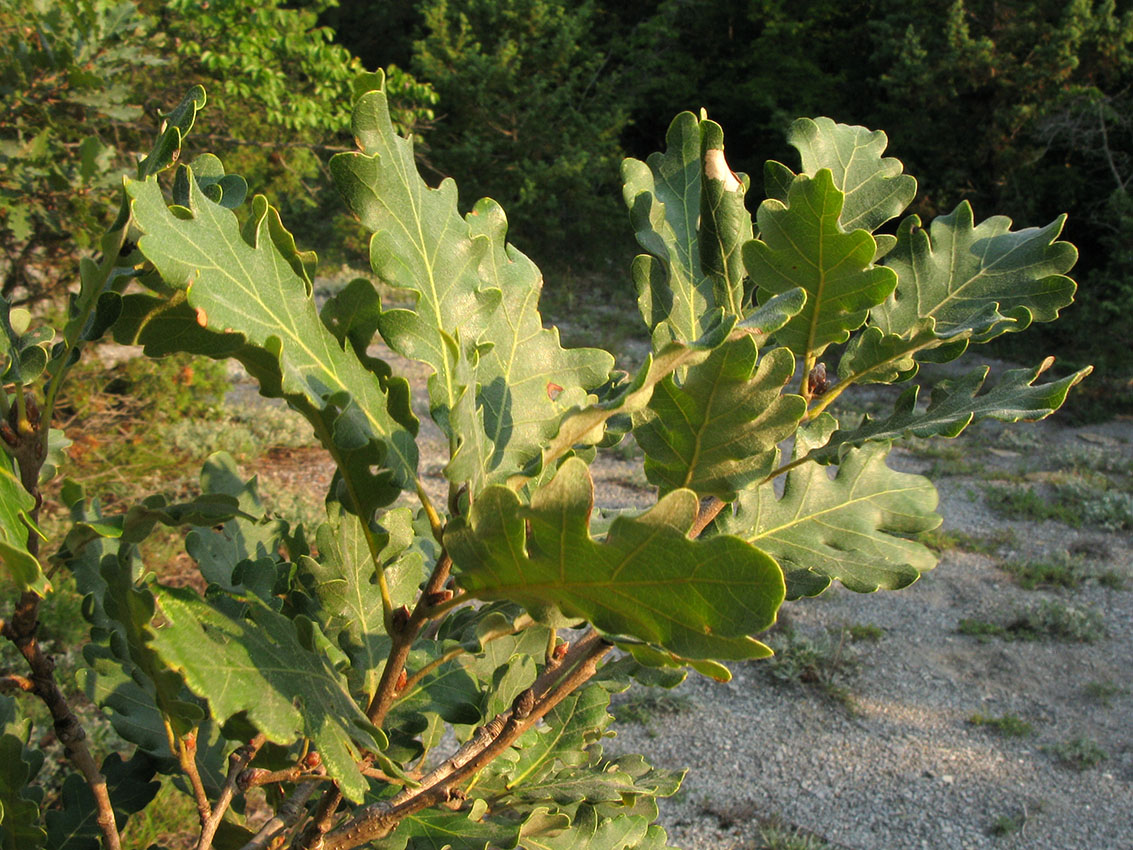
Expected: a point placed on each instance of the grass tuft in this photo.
(1104, 692)
(986, 544)
(1008, 725)
(1077, 753)
(1049, 620)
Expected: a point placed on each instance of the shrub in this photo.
(426, 665)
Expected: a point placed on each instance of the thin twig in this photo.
(257, 777)
(403, 634)
(284, 819)
(14, 682)
(237, 763)
(22, 632)
(379, 819)
(321, 819)
(187, 756)
(1109, 153)
(403, 630)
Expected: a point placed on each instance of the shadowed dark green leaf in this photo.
(602, 782)
(441, 829)
(590, 830)
(524, 379)
(420, 244)
(562, 738)
(344, 581)
(254, 284)
(587, 426)
(259, 666)
(500, 381)
(19, 801)
(130, 784)
(15, 529)
(719, 430)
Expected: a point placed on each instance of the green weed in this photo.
(1008, 725)
(1073, 502)
(1005, 825)
(1104, 692)
(866, 632)
(823, 662)
(947, 467)
(1049, 620)
(778, 837)
(1077, 753)
(986, 544)
(938, 449)
(1025, 503)
(647, 706)
(1053, 620)
(1060, 572)
(1019, 440)
(982, 630)
(1111, 579)
(1096, 460)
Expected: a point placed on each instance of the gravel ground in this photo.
(901, 766)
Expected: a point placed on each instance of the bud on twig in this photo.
(523, 704)
(400, 619)
(817, 383)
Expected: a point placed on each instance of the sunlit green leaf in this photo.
(874, 186)
(257, 665)
(687, 208)
(978, 281)
(802, 244)
(853, 528)
(718, 431)
(699, 599)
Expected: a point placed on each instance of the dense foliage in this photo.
(1019, 107)
(76, 107)
(431, 669)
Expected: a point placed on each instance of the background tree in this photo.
(530, 115)
(78, 100)
(68, 117)
(1017, 106)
